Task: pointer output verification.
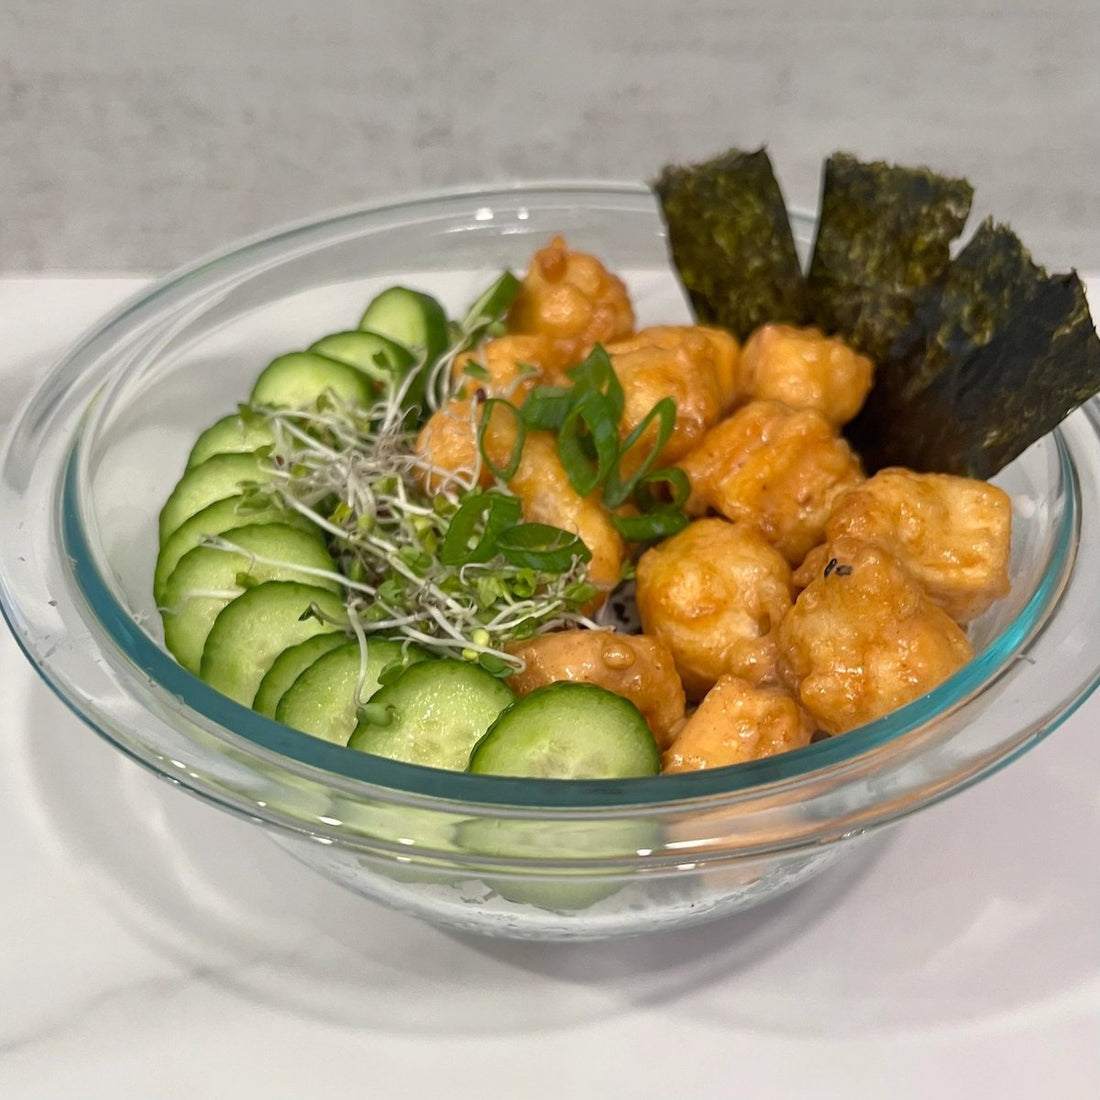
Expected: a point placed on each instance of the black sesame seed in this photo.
(830, 567)
(843, 570)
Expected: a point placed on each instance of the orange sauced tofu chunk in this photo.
(952, 534)
(635, 666)
(863, 639)
(573, 300)
(692, 365)
(805, 369)
(714, 594)
(447, 446)
(775, 468)
(505, 367)
(737, 722)
(546, 496)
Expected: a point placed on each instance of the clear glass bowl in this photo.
(96, 449)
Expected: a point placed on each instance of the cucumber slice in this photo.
(220, 476)
(410, 317)
(230, 435)
(252, 630)
(568, 730)
(288, 666)
(298, 379)
(559, 891)
(205, 580)
(216, 519)
(379, 358)
(322, 700)
(432, 714)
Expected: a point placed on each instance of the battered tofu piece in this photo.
(546, 496)
(714, 594)
(952, 534)
(514, 364)
(447, 444)
(863, 639)
(723, 362)
(737, 722)
(635, 666)
(805, 369)
(573, 300)
(775, 468)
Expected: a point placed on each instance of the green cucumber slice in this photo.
(322, 701)
(298, 379)
(220, 476)
(410, 317)
(432, 714)
(252, 630)
(288, 666)
(206, 579)
(230, 435)
(216, 519)
(568, 730)
(378, 357)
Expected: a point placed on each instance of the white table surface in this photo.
(151, 946)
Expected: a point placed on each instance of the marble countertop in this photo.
(152, 133)
(151, 946)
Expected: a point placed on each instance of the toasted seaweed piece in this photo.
(999, 355)
(884, 235)
(732, 243)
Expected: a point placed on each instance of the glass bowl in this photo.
(97, 448)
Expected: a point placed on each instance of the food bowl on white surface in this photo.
(97, 448)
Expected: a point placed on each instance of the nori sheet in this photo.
(731, 241)
(998, 355)
(884, 235)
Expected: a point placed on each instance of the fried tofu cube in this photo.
(953, 534)
(676, 363)
(737, 722)
(635, 666)
(714, 594)
(776, 468)
(507, 367)
(573, 300)
(863, 639)
(805, 369)
(723, 363)
(547, 496)
(447, 449)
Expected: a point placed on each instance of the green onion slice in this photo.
(596, 375)
(475, 529)
(649, 527)
(546, 407)
(541, 546)
(616, 491)
(588, 442)
(677, 489)
(492, 303)
(508, 470)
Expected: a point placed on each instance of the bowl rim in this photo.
(298, 753)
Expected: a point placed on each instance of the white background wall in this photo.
(135, 134)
